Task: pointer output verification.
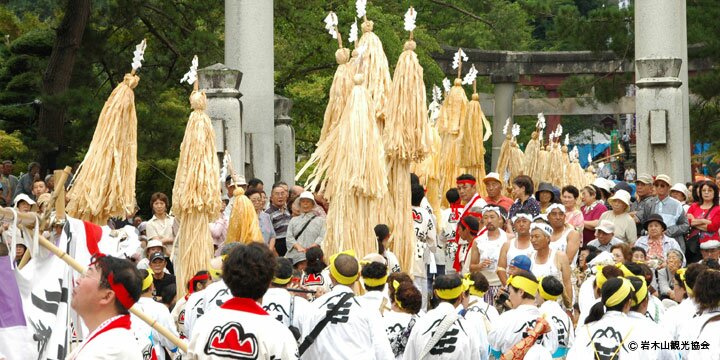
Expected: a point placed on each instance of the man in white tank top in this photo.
(549, 262)
(519, 246)
(486, 252)
(564, 237)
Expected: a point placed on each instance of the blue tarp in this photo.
(585, 149)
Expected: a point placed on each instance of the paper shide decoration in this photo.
(139, 55)
(410, 17)
(360, 6)
(353, 36)
(446, 84)
(470, 76)
(191, 76)
(459, 56)
(331, 22)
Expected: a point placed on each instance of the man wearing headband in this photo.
(468, 230)
(240, 328)
(281, 304)
(550, 290)
(374, 277)
(214, 295)
(101, 297)
(549, 262)
(466, 185)
(638, 312)
(477, 311)
(426, 244)
(486, 252)
(196, 283)
(442, 333)
(675, 316)
(449, 218)
(520, 245)
(512, 325)
(564, 237)
(153, 344)
(339, 327)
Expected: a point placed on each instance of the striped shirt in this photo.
(280, 220)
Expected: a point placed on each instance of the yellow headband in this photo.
(396, 286)
(340, 278)
(626, 272)
(688, 289)
(600, 279)
(279, 281)
(473, 289)
(454, 293)
(148, 280)
(640, 294)
(216, 273)
(375, 282)
(620, 294)
(544, 293)
(528, 286)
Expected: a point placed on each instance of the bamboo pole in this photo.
(28, 219)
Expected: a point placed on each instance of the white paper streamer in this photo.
(460, 54)
(516, 130)
(470, 76)
(541, 121)
(139, 55)
(331, 22)
(360, 7)
(191, 76)
(446, 84)
(353, 36)
(410, 17)
(507, 125)
(567, 139)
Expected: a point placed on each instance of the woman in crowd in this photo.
(681, 193)
(592, 209)
(306, 230)
(625, 228)
(656, 243)
(382, 234)
(703, 216)
(675, 260)
(316, 276)
(398, 322)
(266, 226)
(545, 196)
(621, 253)
(161, 226)
(573, 216)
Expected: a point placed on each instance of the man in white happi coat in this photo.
(550, 289)
(280, 303)
(340, 327)
(102, 297)
(514, 325)
(374, 277)
(442, 333)
(425, 245)
(152, 342)
(637, 312)
(240, 328)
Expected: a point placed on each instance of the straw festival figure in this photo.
(407, 139)
(196, 193)
(472, 136)
(544, 160)
(517, 158)
(503, 164)
(104, 186)
(532, 150)
(556, 161)
(428, 171)
(375, 65)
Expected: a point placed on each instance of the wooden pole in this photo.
(28, 219)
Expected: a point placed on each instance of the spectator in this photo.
(304, 231)
(592, 209)
(494, 188)
(161, 278)
(704, 218)
(605, 236)
(630, 174)
(230, 185)
(50, 183)
(621, 253)
(675, 260)
(681, 193)
(625, 229)
(382, 233)
(545, 196)
(280, 215)
(161, 226)
(294, 193)
(25, 184)
(639, 255)
(266, 226)
(218, 229)
(522, 191)
(656, 242)
(670, 210)
(8, 181)
(256, 184)
(568, 197)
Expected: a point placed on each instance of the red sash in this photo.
(457, 265)
(119, 322)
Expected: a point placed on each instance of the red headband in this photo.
(472, 232)
(195, 278)
(120, 292)
(467, 181)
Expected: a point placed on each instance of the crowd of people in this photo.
(614, 270)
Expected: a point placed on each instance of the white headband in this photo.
(547, 229)
(496, 209)
(522, 216)
(555, 206)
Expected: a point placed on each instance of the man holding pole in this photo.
(102, 297)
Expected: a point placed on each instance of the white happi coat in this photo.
(396, 323)
(460, 341)
(425, 239)
(150, 339)
(178, 315)
(563, 324)
(676, 315)
(317, 281)
(373, 302)
(614, 332)
(705, 332)
(276, 302)
(201, 302)
(351, 333)
(655, 333)
(482, 327)
(114, 344)
(241, 329)
(511, 327)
